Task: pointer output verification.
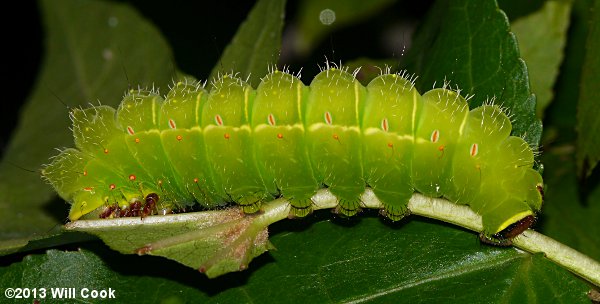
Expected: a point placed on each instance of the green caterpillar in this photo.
(244, 145)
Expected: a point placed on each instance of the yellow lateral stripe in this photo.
(371, 131)
(513, 219)
(197, 108)
(320, 125)
(246, 97)
(356, 100)
(299, 101)
(287, 127)
(234, 129)
(414, 114)
(154, 113)
(463, 124)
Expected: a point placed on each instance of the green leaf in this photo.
(565, 217)
(561, 116)
(357, 260)
(214, 242)
(381, 263)
(256, 44)
(470, 44)
(94, 50)
(84, 269)
(542, 37)
(588, 124)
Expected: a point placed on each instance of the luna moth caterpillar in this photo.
(237, 144)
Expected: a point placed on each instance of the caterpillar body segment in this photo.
(333, 135)
(388, 127)
(237, 144)
(437, 135)
(280, 140)
(143, 139)
(229, 148)
(183, 140)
